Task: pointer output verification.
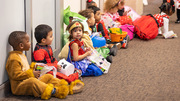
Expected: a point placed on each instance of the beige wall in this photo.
(136, 5)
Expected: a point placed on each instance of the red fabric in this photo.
(69, 78)
(40, 54)
(80, 45)
(146, 27)
(159, 18)
(104, 28)
(125, 20)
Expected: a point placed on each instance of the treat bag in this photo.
(67, 68)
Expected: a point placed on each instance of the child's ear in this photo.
(21, 45)
(43, 40)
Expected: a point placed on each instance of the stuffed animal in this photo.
(68, 14)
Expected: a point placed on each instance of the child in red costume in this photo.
(43, 52)
(77, 54)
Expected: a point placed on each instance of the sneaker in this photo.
(118, 45)
(113, 50)
(125, 42)
(109, 58)
(79, 73)
(177, 21)
(108, 41)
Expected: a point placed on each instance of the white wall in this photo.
(74, 4)
(25, 16)
(43, 12)
(11, 19)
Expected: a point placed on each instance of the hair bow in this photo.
(89, 1)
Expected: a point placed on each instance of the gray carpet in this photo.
(146, 71)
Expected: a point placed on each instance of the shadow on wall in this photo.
(5, 88)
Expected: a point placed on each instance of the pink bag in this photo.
(129, 29)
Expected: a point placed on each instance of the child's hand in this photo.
(36, 73)
(125, 12)
(58, 68)
(89, 53)
(88, 49)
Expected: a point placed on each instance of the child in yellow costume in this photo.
(23, 78)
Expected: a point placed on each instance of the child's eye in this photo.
(80, 30)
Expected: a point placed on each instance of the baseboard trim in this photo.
(5, 89)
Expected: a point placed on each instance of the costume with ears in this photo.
(23, 82)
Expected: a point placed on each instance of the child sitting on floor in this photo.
(100, 27)
(89, 14)
(111, 18)
(23, 78)
(127, 11)
(43, 52)
(78, 53)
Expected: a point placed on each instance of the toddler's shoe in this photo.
(76, 87)
(177, 21)
(118, 45)
(125, 42)
(113, 50)
(79, 73)
(108, 41)
(109, 58)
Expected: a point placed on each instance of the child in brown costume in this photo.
(23, 78)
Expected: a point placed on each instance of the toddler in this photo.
(23, 78)
(43, 52)
(127, 11)
(166, 10)
(77, 54)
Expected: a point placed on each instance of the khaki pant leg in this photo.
(48, 78)
(31, 86)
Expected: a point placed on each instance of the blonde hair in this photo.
(109, 4)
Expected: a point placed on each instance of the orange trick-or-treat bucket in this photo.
(117, 37)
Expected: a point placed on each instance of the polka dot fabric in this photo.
(159, 18)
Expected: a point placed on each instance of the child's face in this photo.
(77, 33)
(49, 38)
(97, 16)
(26, 43)
(113, 10)
(91, 21)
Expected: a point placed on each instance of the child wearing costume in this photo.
(23, 78)
(77, 54)
(166, 10)
(99, 24)
(107, 48)
(43, 52)
(112, 19)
